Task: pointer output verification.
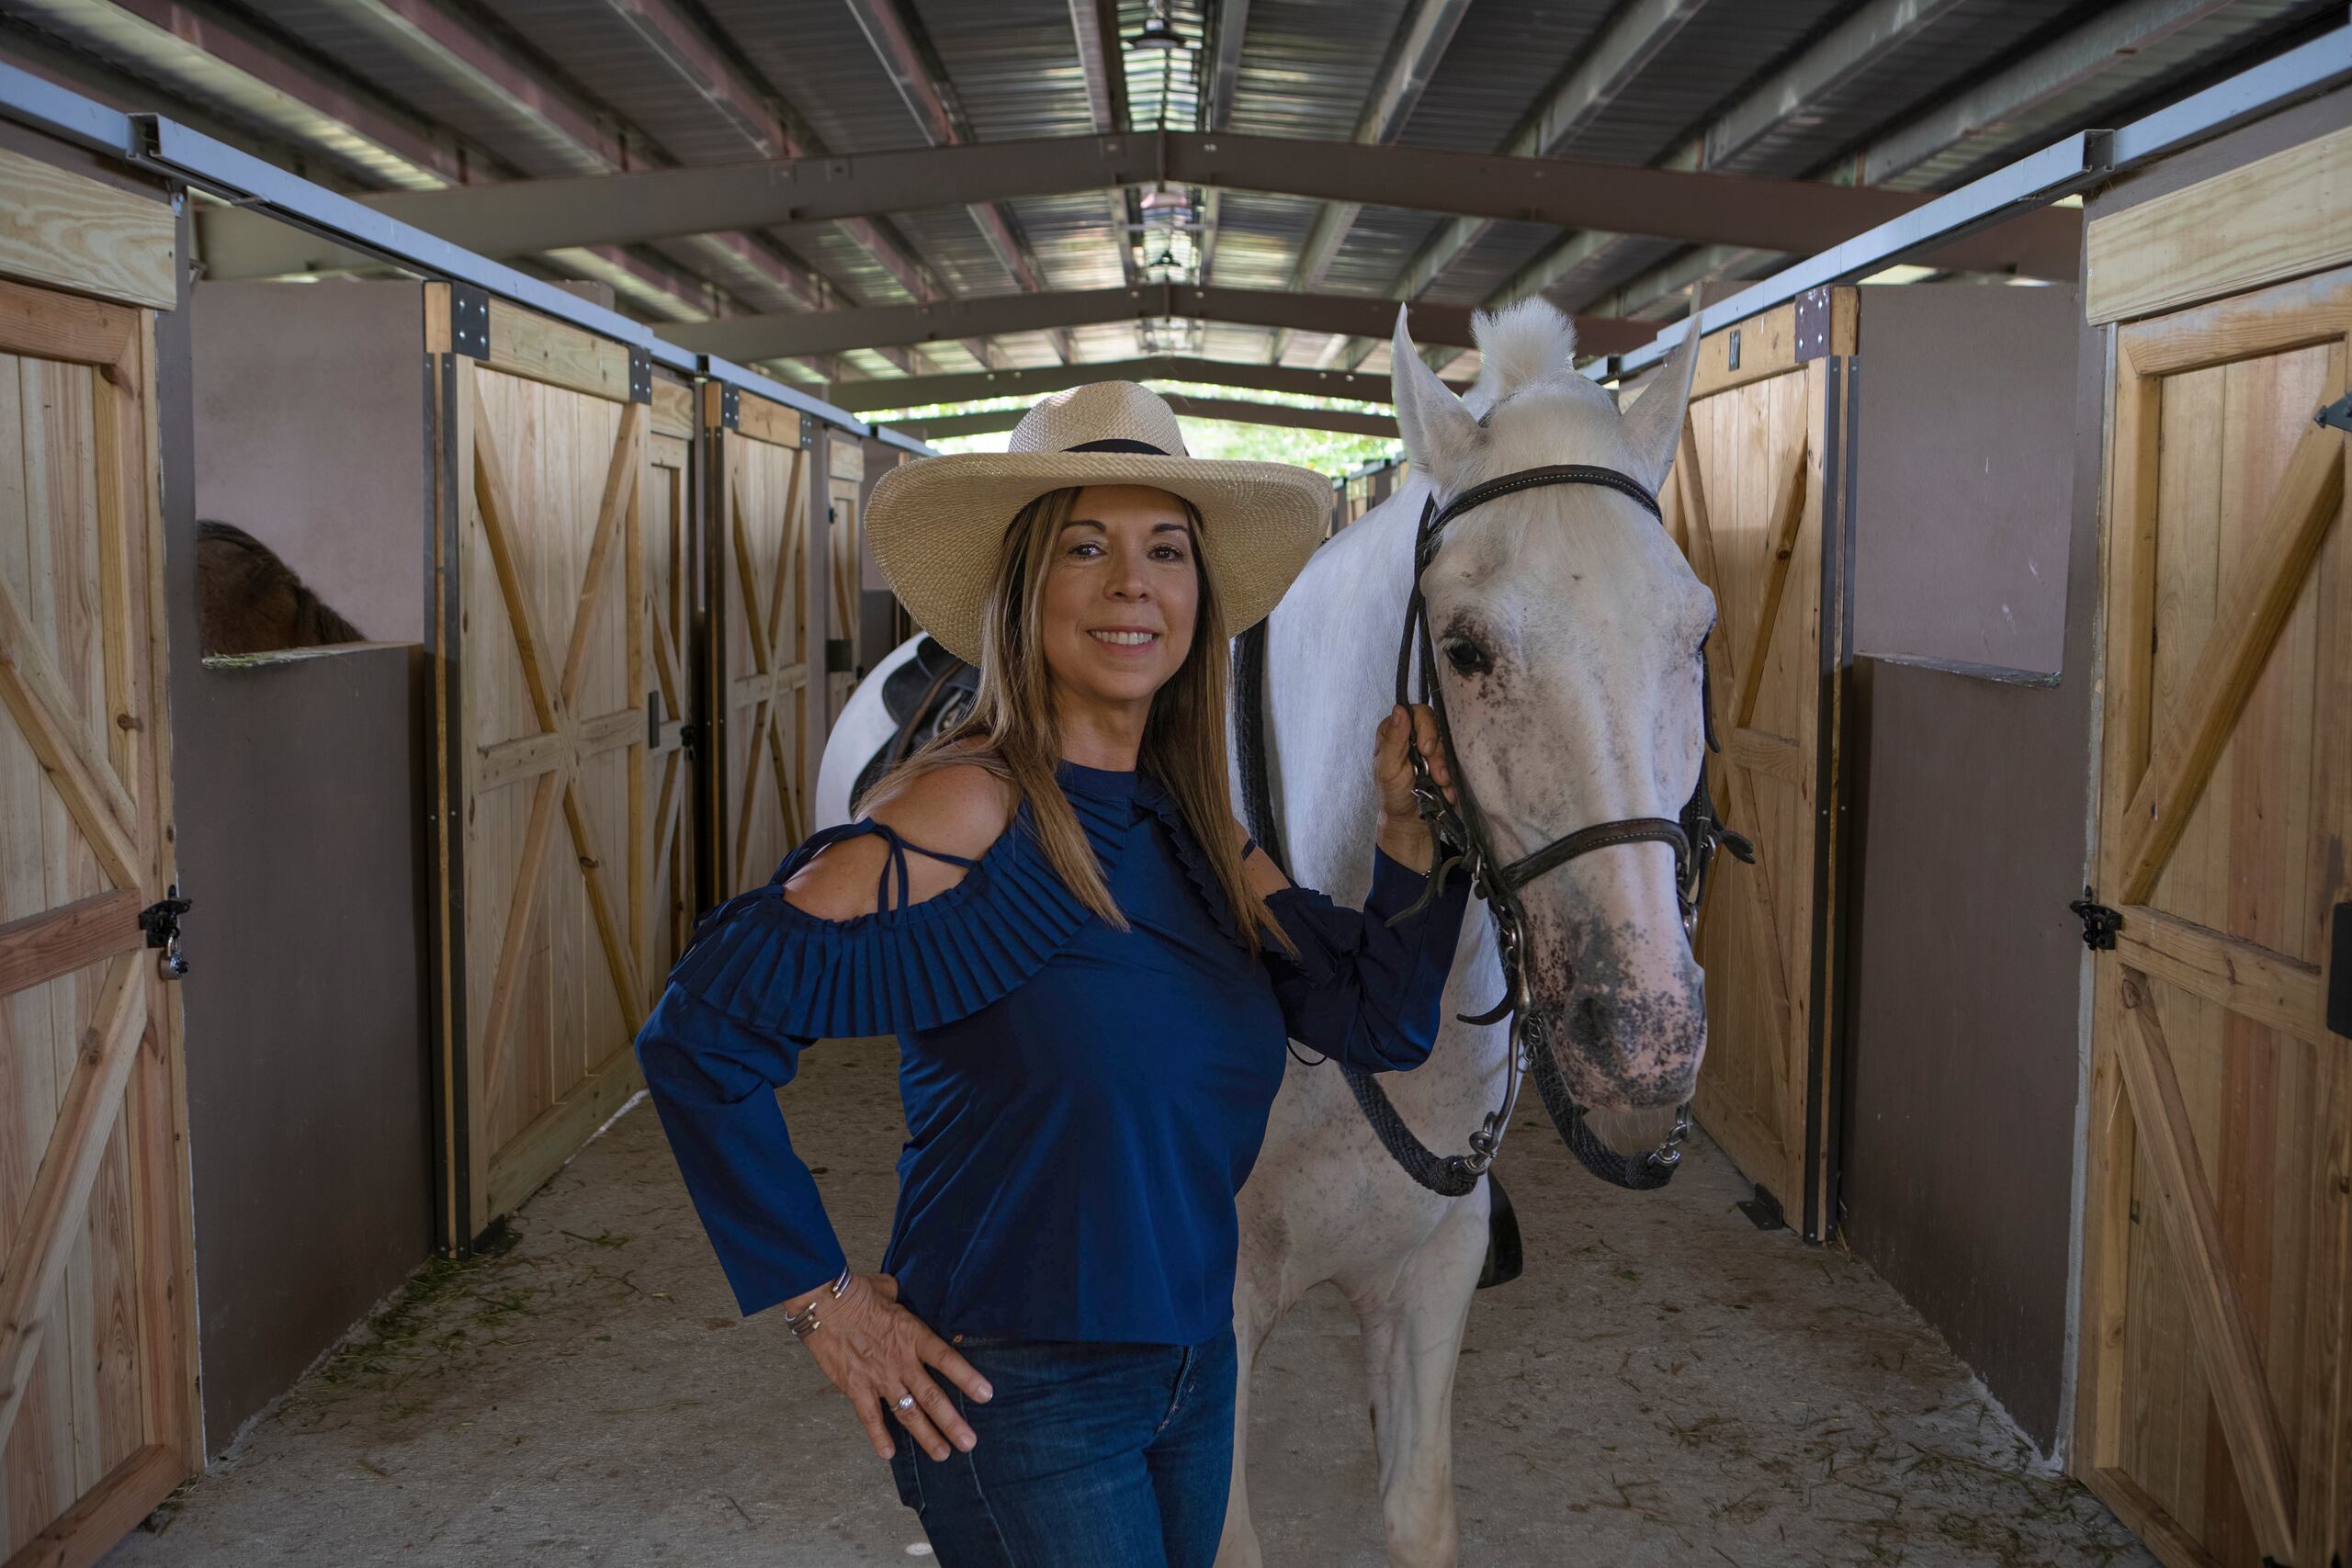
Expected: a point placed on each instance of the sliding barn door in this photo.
(761, 645)
(2213, 1409)
(1756, 503)
(97, 1413)
(549, 677)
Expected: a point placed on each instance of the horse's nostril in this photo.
(1589, 1018)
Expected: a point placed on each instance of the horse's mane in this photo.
(1526, 343)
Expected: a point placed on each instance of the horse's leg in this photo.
(1413, 1322)
(1254, 1316)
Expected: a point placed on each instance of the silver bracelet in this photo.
(805, 1321)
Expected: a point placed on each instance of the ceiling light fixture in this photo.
(1157, 31)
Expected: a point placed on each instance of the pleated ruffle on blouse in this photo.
(1189, 854)
(778, 968)
(1327, 935)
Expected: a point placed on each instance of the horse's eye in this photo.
(1466, 657)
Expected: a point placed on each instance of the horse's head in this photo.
(1567, 629)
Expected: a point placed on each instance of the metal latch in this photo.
(161, 921)
(2100, 922)
(839, 655)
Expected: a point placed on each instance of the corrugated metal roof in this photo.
(602, 94)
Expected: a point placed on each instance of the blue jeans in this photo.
(1089, 1456)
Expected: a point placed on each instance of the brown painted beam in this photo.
(1674, 204)
(747, 339)
(917, 391)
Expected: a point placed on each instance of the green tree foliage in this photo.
(1328, 452)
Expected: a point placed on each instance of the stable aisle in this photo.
(1664, 1385)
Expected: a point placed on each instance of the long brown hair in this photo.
(1013, 733)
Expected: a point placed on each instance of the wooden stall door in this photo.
(97, 1410)
(761, 645)
(550, 672)
(1747, 503)
(2212, 1412)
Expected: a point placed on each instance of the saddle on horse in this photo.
(925, 696)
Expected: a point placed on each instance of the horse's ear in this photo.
(1653, 427)
(1441, 436)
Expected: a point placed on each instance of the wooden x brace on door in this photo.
(771, 682)
(554, 755)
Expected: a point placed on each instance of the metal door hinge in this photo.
(161, 921)
(2100, 922)
(2338, 414)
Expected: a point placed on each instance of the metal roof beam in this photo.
(1840, 54)
(919, 391)
(1236, 410)
(828, 332)
(900, 43)
(626, 207)
(706, 67)
(1224, 69)
(2067, 63)
(1421, 42)
(1095, 25)
(588, 137)
(1625, 47)
(2064, 63)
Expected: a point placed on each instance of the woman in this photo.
(1089, 1039)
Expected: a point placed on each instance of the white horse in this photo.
(1568, 630)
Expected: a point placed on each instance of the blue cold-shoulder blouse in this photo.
(1082, 1103)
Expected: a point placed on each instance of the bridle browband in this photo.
(1461, 841)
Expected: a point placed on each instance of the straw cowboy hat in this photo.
(937, 524)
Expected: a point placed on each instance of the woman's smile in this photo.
(1126, 642)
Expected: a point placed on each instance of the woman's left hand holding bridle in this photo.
(1407, 839)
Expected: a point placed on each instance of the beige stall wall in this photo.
(1964, 495)
(307, 438)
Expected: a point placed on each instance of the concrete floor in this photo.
(1665, 1384)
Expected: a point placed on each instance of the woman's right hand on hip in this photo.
(877, 1352)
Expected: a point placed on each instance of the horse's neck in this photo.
(1332, 674)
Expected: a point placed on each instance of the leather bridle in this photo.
(1462, 842)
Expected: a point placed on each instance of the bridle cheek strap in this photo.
(1461, 841)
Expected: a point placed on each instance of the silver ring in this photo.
(906, 1403)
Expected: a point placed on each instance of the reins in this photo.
(1462, 841)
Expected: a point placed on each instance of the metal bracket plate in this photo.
(730, 407)
(469, 320)
(838, 655)
(640, 375)
(1813, 325)
(807, 430)
(2338, 415)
